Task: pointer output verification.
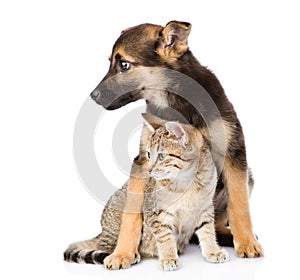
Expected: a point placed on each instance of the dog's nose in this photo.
(95, 94)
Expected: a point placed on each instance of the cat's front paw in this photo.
(118, 261)
(169, 264)
(217, 256)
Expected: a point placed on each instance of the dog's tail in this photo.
(88, 251)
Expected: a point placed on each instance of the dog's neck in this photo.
(178, 109)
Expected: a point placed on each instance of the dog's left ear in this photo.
(173, 42)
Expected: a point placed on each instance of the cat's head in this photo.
(173, 149)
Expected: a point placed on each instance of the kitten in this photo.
(178, 201)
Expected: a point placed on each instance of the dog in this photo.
(164, 50)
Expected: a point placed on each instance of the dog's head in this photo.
(145, 45)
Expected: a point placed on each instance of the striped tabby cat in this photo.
(178, 201)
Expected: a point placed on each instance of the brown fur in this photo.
(149, 45)
(174, 32)
(129, 239)
(180, 186)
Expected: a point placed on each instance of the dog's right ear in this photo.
(173, 41)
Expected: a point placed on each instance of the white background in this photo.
(53, 54)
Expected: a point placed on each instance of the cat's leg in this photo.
(166, 247)
(158, 241)
(126, 251)
(207, 238)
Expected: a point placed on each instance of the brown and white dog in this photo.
(149, 45)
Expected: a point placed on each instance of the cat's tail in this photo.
(87, 251)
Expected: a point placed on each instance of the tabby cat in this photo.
(178, 201)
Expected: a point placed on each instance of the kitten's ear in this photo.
(152, 122)
(173, 42)
(176, 129)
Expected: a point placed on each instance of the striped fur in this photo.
(178, 202)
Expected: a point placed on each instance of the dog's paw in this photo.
(118, 261)
(169, 264)
(250, 249)
(217, 256)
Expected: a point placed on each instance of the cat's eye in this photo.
(161, 156)
(148, 155)
(123, 66)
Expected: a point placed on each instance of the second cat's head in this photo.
(173, 149)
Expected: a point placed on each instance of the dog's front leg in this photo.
(236, 180)
(126, 251)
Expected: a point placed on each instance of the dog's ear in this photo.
(173, 41)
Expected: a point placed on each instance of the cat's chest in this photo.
(186, 200)
(185, 208)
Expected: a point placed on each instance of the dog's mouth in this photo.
(111, 100)
(117, 91)
(124, 100)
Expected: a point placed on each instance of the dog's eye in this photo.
(124, 66)
(148, 155)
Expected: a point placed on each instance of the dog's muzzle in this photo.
(95, 94)
(114, 96)
(117, 91)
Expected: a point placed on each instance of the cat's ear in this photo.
(176, 129)
(152, 122)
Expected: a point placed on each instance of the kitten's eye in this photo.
(124, 66)
(161, 156)
(148, 155)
